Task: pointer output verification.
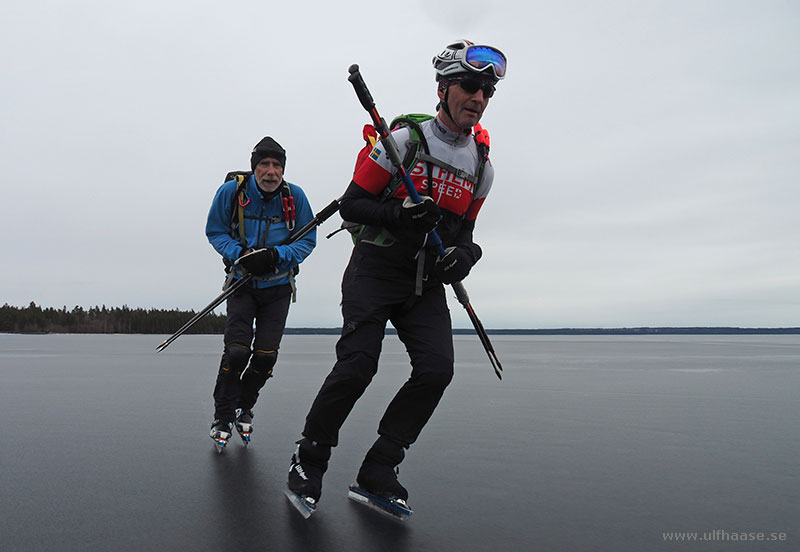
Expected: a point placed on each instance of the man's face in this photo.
(466, 109)
(269, 174)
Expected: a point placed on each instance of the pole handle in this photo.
(327, 212)
(360, 86)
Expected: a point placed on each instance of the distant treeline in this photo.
(124, 320)
(34, 319)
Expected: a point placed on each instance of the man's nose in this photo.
(479, 95)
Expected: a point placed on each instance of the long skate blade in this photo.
(396, 508)
(300, 503)
(219, 444)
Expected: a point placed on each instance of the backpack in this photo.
(241, 200)
(371, 138)
(418, 150)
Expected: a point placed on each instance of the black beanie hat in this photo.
(267, 147)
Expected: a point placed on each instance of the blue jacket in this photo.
(260, 215)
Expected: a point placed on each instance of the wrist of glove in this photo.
(419, 217)
(259, 262)
(456, 263)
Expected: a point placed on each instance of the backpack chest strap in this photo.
(460, 173)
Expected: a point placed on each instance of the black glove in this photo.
(259, 261)
(456, 263)
(420, 217)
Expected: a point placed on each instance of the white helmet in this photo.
(465, 57)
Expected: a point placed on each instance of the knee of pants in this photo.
(439, 379)
(234, 360)
(262, 363)
(356, 370)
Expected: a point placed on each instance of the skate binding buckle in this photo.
(394, 507)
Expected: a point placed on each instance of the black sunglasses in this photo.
(471, 85)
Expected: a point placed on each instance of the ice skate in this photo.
(244, 425)
(220, 433)
(394, 506)
(377, 487)
(304, 485)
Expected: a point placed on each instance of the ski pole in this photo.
(318, 219)
(392, 152)
(463, 298)
(210, 307)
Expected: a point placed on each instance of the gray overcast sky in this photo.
(647, 154)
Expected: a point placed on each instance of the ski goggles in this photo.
(482, 58)
(470, 85)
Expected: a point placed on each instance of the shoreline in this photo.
(667, 330)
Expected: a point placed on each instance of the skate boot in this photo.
(377, 485)
(304, 486)
(220, 433)
(244, 424)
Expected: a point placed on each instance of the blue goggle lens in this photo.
(481, 57)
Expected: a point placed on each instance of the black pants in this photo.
(238, 384)
(423, 325)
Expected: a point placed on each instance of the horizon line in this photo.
(632, 330)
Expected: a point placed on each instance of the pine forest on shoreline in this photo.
(34, 319)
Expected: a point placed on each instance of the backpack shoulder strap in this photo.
(413, 154)
(287, 198)
(482, 142)
(240, 200)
